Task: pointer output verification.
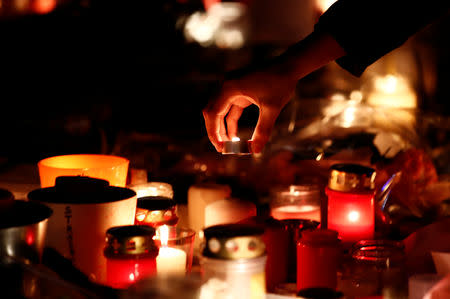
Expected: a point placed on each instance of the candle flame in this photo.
(131, 277)
(235, 139)
(164, 234)
(353, 216)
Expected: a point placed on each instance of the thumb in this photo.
(263, 129)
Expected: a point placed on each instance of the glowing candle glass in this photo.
(176, 250)
(351, 209)
(296, 202)
(114, 169)
(131, 255)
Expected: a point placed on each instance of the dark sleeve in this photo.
(369, 29)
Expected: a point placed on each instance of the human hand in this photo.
(270, 89)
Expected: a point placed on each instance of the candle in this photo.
(297, 212)
(298, 202)
(130, 255)
(229, 210)
(236, 146)
(392, 91)
(170, 261)
(351, 202)
(318, 257)
(199, 196)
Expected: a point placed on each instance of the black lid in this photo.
(125, 231)
(319, 293)
(232, 230)
(6, 194)
(80, 190)
(155, 203)
(14, 213)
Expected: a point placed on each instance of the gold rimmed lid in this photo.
(131, 240)
(351, 177)
(234, 241)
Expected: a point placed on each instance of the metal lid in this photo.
(156, 210)
(131, 240)
(239, 147)
(351, 177)
(234, 241)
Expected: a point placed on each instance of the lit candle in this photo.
(169, 260)
(236, 147)
(130, 254)
(350, 194)
(392, 91)
(300, 202)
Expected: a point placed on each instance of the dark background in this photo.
(71, 80)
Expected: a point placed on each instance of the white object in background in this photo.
(229, 210)
(200, 196)
(441, 262)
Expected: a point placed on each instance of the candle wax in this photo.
(296, 212)
(171, 261)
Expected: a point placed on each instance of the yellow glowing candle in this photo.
(170, 261)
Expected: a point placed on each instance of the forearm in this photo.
(315, 51)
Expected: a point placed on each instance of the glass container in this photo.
(351, 210)
(375, 268)
(233, 262)
(114, 169)
(318, 259)
(130, 255)
(176, 250)
(296, 202)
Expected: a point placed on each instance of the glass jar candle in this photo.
(376, 268)
(156, 211)
(130, 254)
(318, 259)
(351, 210)
(296, 202)
(153, 189)
(233, 262)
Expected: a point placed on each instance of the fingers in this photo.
(214, 114)
(263, 129)
(232, 120)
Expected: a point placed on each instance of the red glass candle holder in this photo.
(130, 255)
(351, 214)
(318, 258)
(351, 208)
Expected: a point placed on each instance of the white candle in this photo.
(170, 261)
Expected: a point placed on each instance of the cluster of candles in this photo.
(153, 244)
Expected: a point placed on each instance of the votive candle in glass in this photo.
(130, 255)
(351, 207)
(296, 202)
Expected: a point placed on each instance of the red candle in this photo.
(121, 273)
(277, 241)
(130, 255)
(351, 209)
(318, 258)
(351, 214)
